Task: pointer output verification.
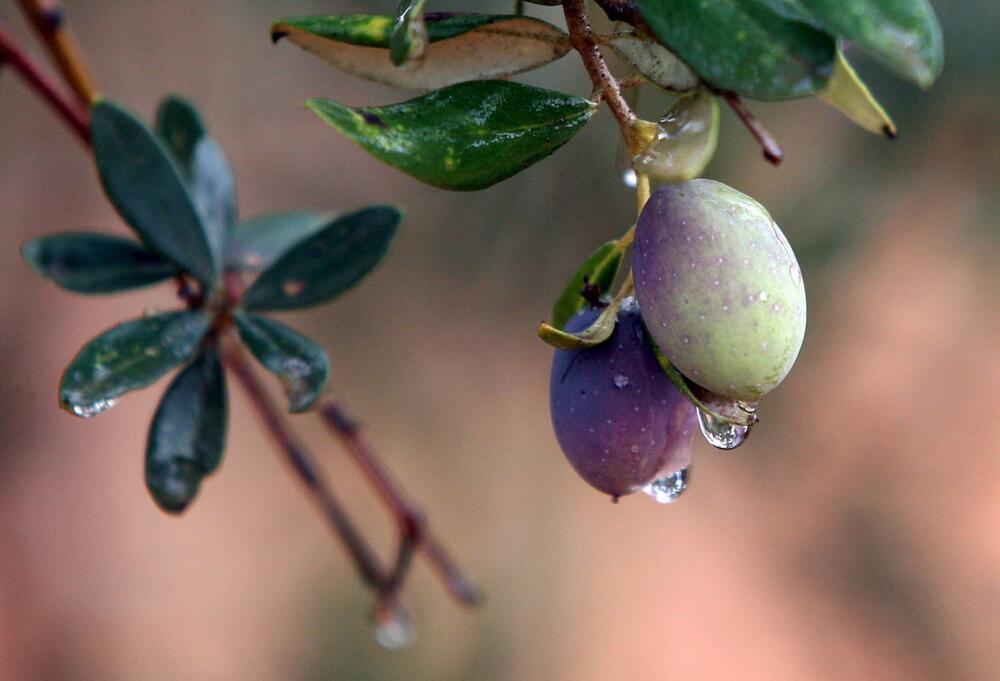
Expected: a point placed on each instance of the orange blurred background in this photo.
(855, 536)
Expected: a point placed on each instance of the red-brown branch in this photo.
(71, 112)
(769, 145)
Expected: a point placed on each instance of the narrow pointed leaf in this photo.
(143, 184)
(180, 127)
(96, 263)
(327, 263)
(408, 41)
(188, 434)
(848, 93)
(597, 270)
(466, 136)
(301, 365)
(260, 241)
(655, 62)
(903, 34)
(460, 47)
(746, 46)
(128, 357)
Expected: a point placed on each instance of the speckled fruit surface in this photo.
(719, 288)
(618, 418)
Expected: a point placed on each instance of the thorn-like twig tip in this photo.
(277, 35)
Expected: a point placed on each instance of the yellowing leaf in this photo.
(848, 93)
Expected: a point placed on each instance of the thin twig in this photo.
(74, 115)
(769, 145)
(412, 522)
(582, 37)
(47, 20)
(303, 465)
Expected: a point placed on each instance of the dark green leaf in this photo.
(180, 127)
(143, 184)
(260, 241)
(763, 49)
(327, 263)
(904, 34)
(466, 136)
(128, 357)
(408, 41)
(96, 263)
(598, 270)
(213, 191)
(188, 433)
(301, 365)
(461, 47)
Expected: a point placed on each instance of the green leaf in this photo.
(327, 263)
(408, 41)
(213, 190)
(461, 47)
(180, 127)
(143, 184)
(597, 270)
(903, 34)
(848, 93)
(466, 136)
(188, 433)
(684, 140)
(128, 357)
(301, 365)
(96, 263)
(260, 241)
(746, 46)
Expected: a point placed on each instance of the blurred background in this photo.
(855, 536)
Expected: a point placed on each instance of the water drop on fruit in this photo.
(667, 489)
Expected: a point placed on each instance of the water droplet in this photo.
(394, 628)
(620, 381)
(629, 178)
(91, 410)
(722, 434)
(665, 490)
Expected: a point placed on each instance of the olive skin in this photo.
(619, 420)
(719, 288)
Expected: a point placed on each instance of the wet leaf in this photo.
(128, 357)
(848, 93)
(326, 264)
(659, 65)
(599, 269)
(460, 47)
(466, 136)
(260, 241)
(188, 433)
(96, 263)
(301, 365)
(904, 34)
(144, 185)
(747, 46)
(685, 140)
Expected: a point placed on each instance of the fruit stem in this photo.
(48, 22)
(582, 37)
(74, 115)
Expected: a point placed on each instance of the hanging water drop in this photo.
(620, 381)
(722, 434)
(394, 627)
(90, 410)
(665, 490)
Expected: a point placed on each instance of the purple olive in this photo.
(719, 288)
(618, 418)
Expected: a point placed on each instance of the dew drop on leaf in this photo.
(90, 410)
